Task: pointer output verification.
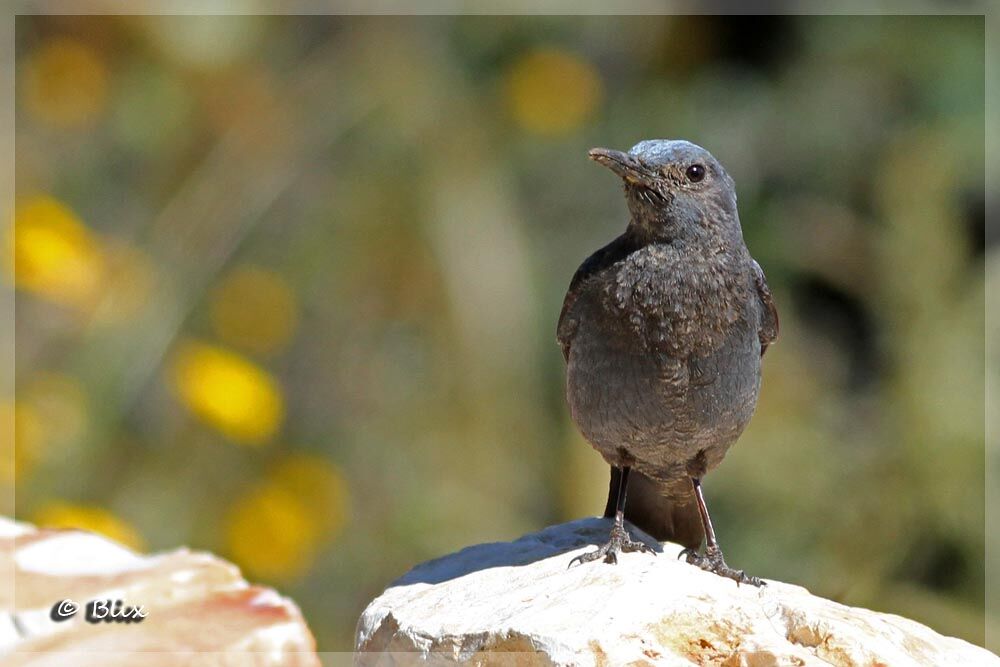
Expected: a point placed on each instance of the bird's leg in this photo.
(713, 561)
(620, 540)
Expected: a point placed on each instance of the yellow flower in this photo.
(255, 310)
(271, 534)
(87, 517)
(276, 529)
(552, 92)
(52, 253)
(23, 439)
(50, 413)
(228, 392)
(64, 83)
(320, 485)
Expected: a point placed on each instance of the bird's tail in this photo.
(667, 512)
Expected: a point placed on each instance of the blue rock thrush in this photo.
(663, 331)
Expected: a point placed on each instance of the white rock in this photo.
(517, 603)
(200, 611)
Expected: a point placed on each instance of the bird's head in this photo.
(674, 189)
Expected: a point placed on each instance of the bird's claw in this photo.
(713, 561)
(620, 542)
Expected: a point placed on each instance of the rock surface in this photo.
(199, 609)
(516, 603)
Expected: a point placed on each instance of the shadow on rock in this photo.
(552, 541)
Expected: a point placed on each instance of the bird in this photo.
(663, 331)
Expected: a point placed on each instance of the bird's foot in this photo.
(713, 561)
(620, 542)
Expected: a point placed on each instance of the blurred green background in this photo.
(287, 287)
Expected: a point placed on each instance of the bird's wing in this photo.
(768, 331)
(607, 256)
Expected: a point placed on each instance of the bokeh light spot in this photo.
(228, 392)
(64, 83)
(254, 309)
(552, 92)
(23, 439)
(52, 253)
(87, 517)
(320, 484)
(271, 533)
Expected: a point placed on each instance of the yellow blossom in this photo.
(254, 309)
(51, 253)
(88, 517)
(50, 411)
(227, 391)
(272, 534)
(23, 439)
(552, 92)
(64, 83)
(318, 483)
(276, 529)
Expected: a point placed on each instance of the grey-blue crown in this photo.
(662, 151)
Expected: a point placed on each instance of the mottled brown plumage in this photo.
(663, 330)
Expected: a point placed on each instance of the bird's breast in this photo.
(685, 302)
(660, 364)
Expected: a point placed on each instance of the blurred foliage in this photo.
(345, 240)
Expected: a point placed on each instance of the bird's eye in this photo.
(695, 173)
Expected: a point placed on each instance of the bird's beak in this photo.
(629, 168)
